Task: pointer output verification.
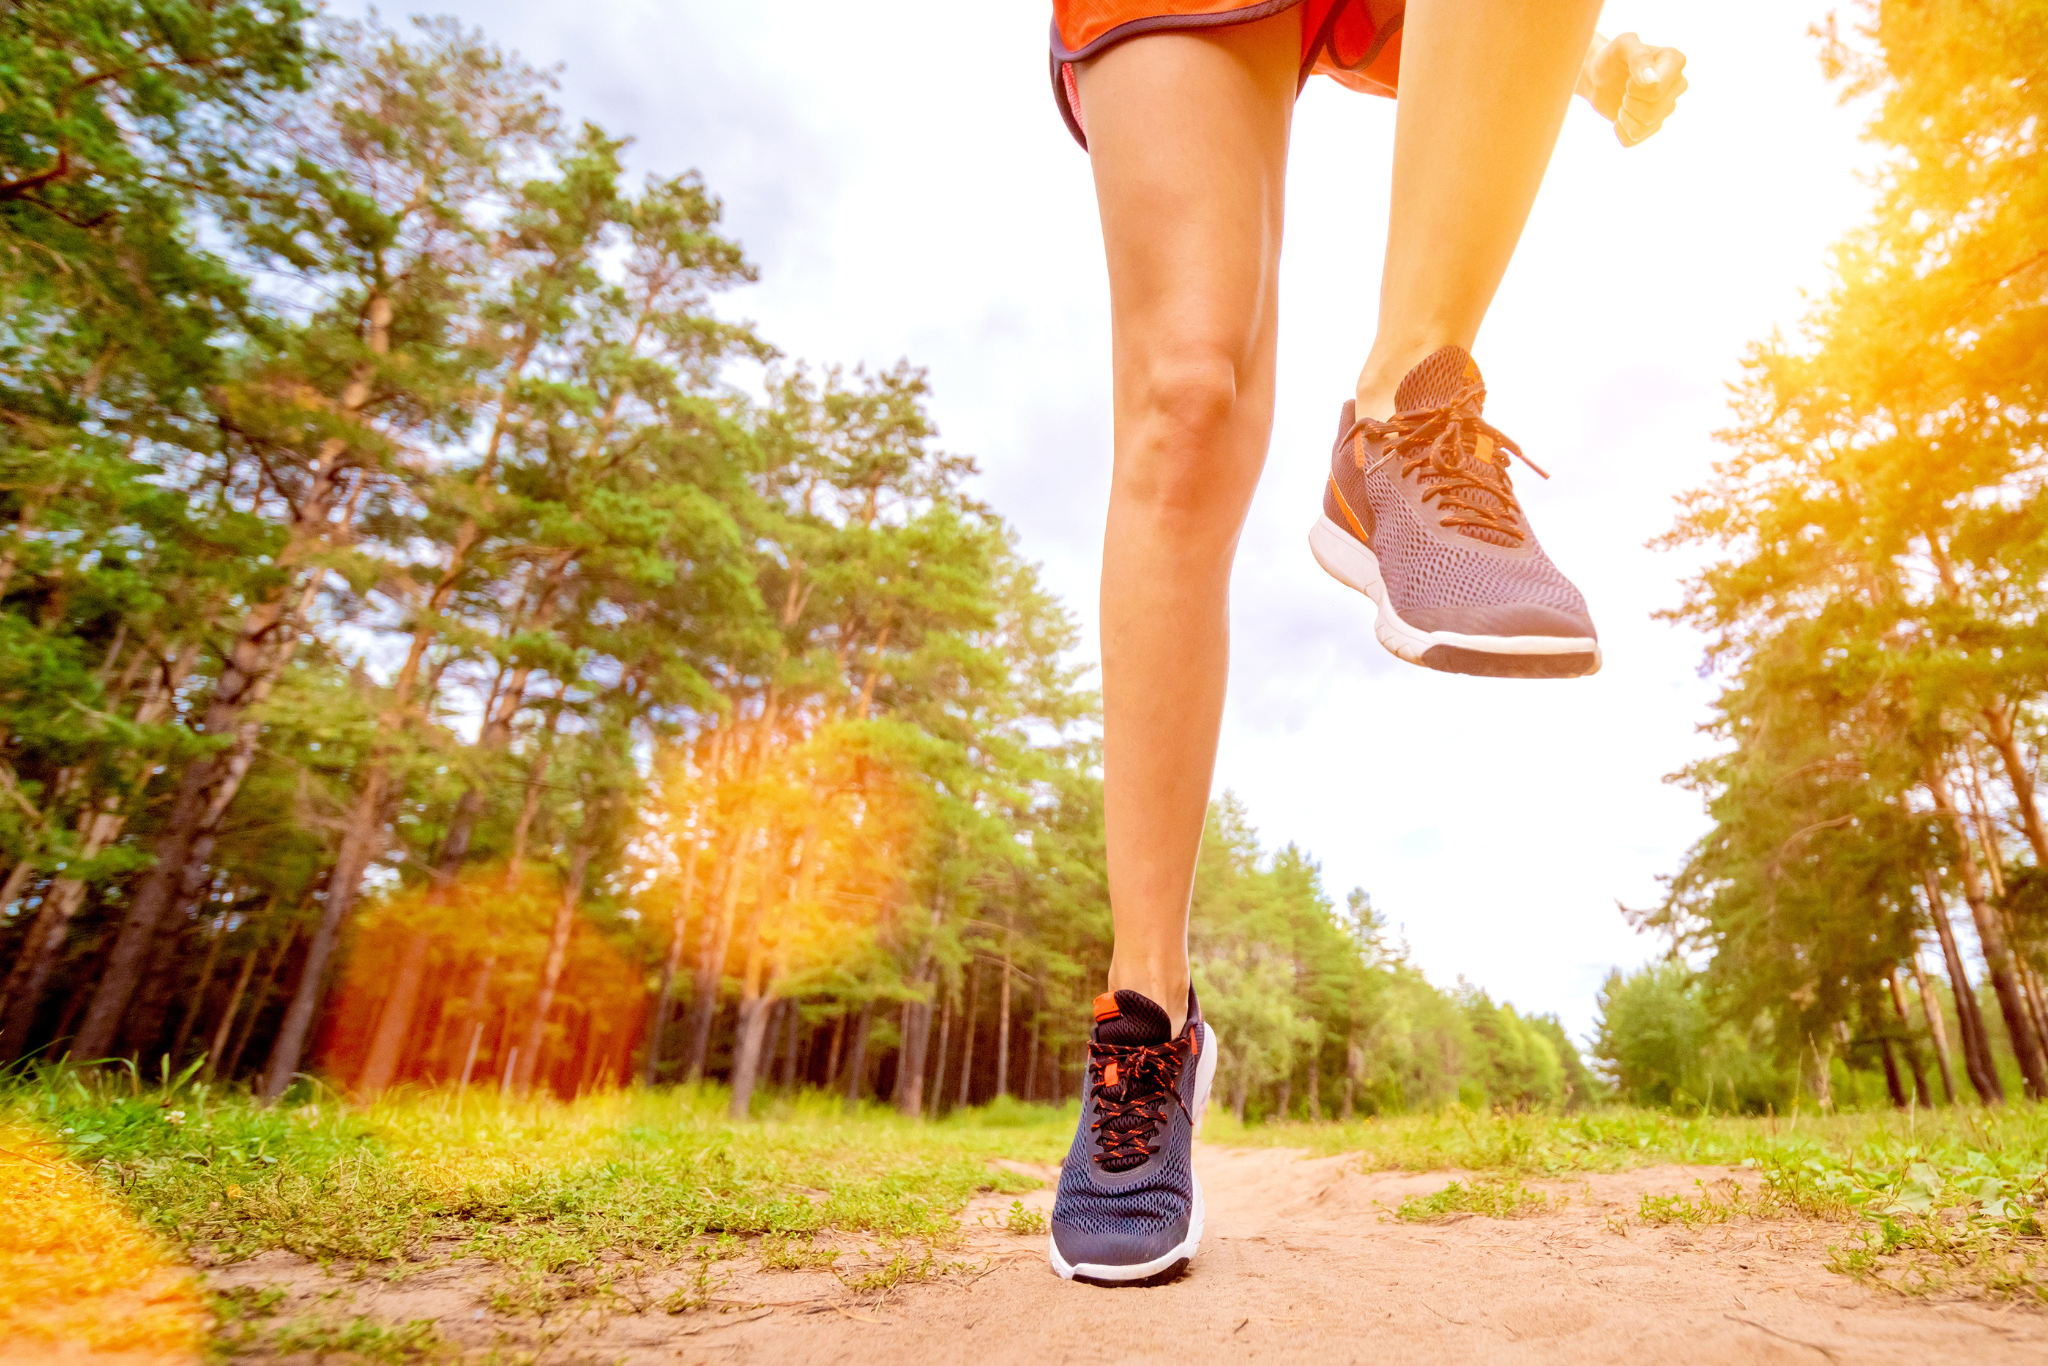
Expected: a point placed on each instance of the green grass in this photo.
(1497, 1198)
(538, 1183)
(560, 1196)
(1955, 1200)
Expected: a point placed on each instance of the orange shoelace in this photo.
(1463, 462)
(1132, 1084)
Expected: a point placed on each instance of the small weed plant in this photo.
(1025, 1221)
(1494, 1198)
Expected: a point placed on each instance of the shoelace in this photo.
(1144, 1077)
(1454, 448)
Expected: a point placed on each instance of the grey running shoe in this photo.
(1420, 516)
(1129, 1207)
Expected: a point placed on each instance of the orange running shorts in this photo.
(1357, 42)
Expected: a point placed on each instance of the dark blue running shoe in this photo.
(1129, 1207)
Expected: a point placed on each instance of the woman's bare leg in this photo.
(1484, 85)
(1188, 136)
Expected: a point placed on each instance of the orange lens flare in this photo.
(443, 987)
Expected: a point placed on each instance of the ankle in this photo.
(1166, 985)
(1389, 364)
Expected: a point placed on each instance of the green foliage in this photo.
(423, 658)
(1318, 1012)
(1663, 1046)
(1874, 604)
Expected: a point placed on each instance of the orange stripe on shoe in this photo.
(1349, 515)
(1109, 1073)
(1106, 1007)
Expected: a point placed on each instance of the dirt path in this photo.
(1302, 1262)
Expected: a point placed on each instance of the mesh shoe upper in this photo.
(1127, 1186)
(1429, 493)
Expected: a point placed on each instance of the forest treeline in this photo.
(1872, 895)
(437, 645)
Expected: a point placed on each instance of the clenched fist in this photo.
(1632, 83)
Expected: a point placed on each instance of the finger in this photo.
(1632, 130)
(1653, 106)
(1623, 54)
(1653, 73)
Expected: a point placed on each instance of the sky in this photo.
(902, 180)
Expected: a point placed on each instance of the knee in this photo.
(1185, 461)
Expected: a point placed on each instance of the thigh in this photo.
(1187, 133)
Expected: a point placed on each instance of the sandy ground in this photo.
(1302, 1261)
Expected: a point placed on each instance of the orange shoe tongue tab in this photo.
(1106, 1007)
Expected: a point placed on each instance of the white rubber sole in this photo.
(1205, 1076)
(1354, 565)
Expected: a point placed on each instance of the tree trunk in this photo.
(746, 1064)
(1976, 1042)
(795, 1014)
(2012, 1005)
(1003, 1012)
(1892, 1083)
(40, 954)
(2029, 984)
(678, 922)
(1920, 1091)
(197, 1001)
(1354, 1068)
(1315, 1091)
(938, 1086)
(155, 892)
(967, 1031)
(529, 801)
(262, 645)
(558, 955)
(227, 1016)
(917, 1042)
(1031, 1053)
(10, 892)
(1987, 840)
(837, 1050)
(258, 1002)
(917, 1025)
(712, 948)
(361, 842)
(394, 1023)
(857, 1065)
(478, 1010)
(1823, 1075)
(1937, 1030)
(1999, 730)
(22, 997)
(755, 1001)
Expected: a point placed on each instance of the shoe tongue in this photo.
(1437, 380)
(1138, 1021)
